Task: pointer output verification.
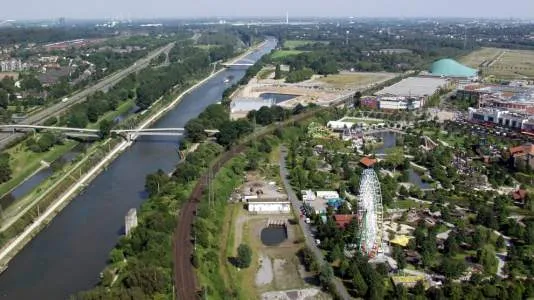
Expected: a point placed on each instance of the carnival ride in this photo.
(370, 213)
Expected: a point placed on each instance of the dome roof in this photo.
(452, 68)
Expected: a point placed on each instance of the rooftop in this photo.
(367, 161)
(343, 220)
(414, 87)
(267, 199)
(522, 150)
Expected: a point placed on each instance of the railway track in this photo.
(185, 279)
(187, 287)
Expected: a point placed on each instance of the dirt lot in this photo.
(276, 270)
(320, 90)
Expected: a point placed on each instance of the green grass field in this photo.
(281, 54)
(348, 80)
(292, 44)
(506, 63)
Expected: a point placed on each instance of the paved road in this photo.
(310, 241)
(102, 85)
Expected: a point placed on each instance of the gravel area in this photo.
(303, 294)
(265, 273)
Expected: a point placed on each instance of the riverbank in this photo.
(16, 244)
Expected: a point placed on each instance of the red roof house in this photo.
(343, 220)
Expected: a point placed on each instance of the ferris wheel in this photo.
(370, 214)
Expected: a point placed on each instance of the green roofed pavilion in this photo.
(450, 68)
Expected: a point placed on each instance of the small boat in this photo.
(226, 80)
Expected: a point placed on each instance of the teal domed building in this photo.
(450, 68)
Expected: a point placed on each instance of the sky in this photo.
(85, 9)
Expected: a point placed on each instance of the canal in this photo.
(69, 254)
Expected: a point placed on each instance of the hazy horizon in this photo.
(136, 9)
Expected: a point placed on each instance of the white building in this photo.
(339, 125)
(327, 194)
(11, 65)
(499, 117)
(400, 103)
(269, 205)
(130, 221)
(307, 195)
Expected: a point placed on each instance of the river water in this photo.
(70, 253)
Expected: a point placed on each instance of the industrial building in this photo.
(408, 94)
(414, 87)
(520, 121)
(506, 97)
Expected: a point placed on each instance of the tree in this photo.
(277, 72)
(395, 157)
(244, 256)
(194, 130)
(154, 182)
(500, 243)
(419, 288)
(325, 275)
(359, 284)
(486, 257)
(5, 168)
(357, 99)
(451, 245)
(452, 268)
(116, 256)
(105, 127)
(4, 99)
(398, 256)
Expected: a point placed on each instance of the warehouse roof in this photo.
(414, 87)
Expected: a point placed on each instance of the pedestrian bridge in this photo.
(128, 134)
(239, 63)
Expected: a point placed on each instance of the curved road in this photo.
(310, 241)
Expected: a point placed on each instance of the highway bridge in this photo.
(128, 134)
(102, 85)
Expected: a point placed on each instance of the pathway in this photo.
(295, 203)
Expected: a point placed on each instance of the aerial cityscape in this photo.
(277, 151)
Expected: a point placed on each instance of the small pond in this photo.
(389, 140)
(277, 97)
(416, 180)
(37, 178)
(273, 235)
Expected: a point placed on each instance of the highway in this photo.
(102, 85)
